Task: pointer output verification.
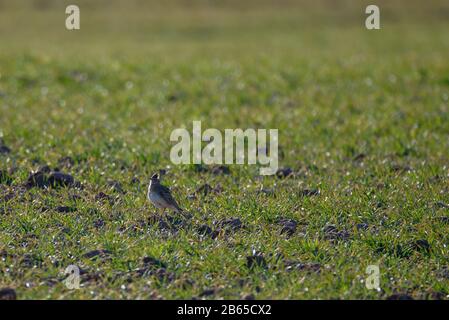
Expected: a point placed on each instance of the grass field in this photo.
(363, 123)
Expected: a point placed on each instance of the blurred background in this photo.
(203, 59)
(138, 26)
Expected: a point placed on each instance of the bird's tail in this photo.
(183, 212)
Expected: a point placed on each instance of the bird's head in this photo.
(155, 177)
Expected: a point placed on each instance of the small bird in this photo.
(160, 196)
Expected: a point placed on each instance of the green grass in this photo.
(109, 95)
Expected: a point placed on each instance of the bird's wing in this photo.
(166, 195)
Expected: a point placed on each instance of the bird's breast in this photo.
(156, 199)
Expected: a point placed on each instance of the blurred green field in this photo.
(362, 117)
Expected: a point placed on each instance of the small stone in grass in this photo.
(199, 168)
(207, 292)
(26, 261)
(444, 219)
(221, 169)
(441, 205)
(205, 230)
(256, 260)
(101, 195)
(4, 149)
(97, 253)
(43, 179)
(362, 226)
(359, 157)
(330, 228)
(401, 168)
(399, 296)
(332, 233)
(135, 180)
(309, 192)
(421, 245)
(65, 209)
(433, 295)
(37, 179)
(153, 262)
(284, 172)
(60, 179)
(234, 224)
(163, 274)
(99, 223)
(8, 294)
(288, 226)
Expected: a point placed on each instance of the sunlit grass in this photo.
(362, 117)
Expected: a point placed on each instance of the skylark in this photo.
(160, 196)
